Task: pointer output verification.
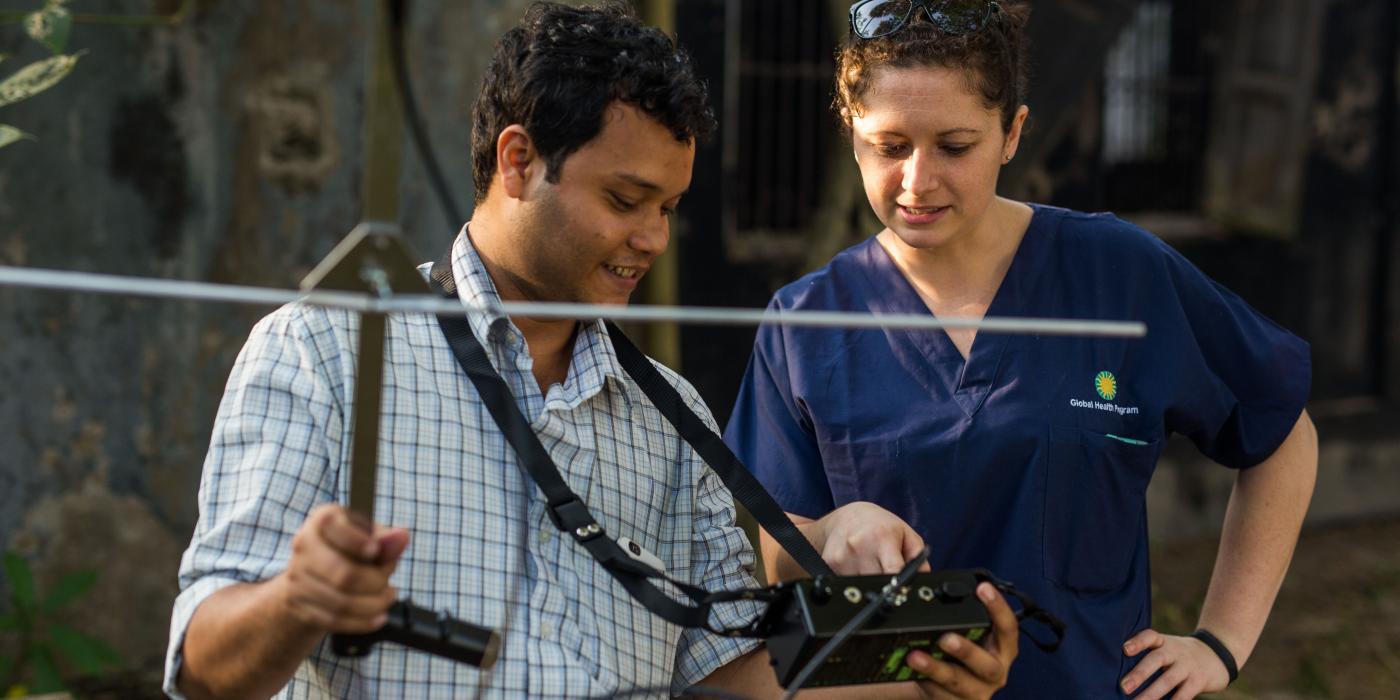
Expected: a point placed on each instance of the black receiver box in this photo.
(921, 612)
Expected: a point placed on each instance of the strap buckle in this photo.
(573, 517)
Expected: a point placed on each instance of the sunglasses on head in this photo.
(872, 19)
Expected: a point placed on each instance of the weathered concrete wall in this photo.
(225, 149)
(1357, 478)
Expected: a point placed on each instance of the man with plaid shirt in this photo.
(583, 139)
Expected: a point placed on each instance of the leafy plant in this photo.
(43, 641)
(50, 25)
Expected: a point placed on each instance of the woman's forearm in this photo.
(1262, 522)
(778, 565)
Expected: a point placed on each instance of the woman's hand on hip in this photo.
(1186, 663)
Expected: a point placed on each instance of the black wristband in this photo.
(1216, 646)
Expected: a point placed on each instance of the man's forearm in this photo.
(1262, 522)
(240, 644)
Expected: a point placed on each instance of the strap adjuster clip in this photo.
(573, 517)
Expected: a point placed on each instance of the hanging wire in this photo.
(426, 303)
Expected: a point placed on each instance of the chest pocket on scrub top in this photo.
(1094, 507)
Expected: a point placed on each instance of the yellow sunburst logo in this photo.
(1107, 385)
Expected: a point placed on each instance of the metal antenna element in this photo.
(374, 259)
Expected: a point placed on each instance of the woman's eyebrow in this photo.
(947, 132)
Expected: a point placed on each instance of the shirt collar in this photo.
(593, 349)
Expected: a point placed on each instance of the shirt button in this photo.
(546, 630)
(544, 536)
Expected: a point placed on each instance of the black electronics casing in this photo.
(928, 607)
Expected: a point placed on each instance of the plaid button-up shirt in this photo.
(482, 546)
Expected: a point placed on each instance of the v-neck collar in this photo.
(930, 355)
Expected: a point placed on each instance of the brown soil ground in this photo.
(1335, 630)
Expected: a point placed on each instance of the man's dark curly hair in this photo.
(559, 70)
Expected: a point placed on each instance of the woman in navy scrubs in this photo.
(1026, 455)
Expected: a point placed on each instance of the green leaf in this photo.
(7, 666)
(87, 654)
(44, 670)
(68, 589)
(21, 581)
(50, 26)
(36, 78)
(9, 135)
(7, 623)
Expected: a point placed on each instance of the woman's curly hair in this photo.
(992, 59)
(557, 72)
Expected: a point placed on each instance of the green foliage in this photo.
(87, 654)
(45, 642)
(50, 25)
(21, 582)
(36, 78)
(44, 671)
(9, 135)
(68, 589)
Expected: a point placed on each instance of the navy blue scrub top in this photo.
(1031, 458)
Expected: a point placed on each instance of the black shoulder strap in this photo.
(565, 508)
(711, 448)
(721, 459)
(1030, 610)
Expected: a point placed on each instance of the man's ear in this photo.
(517, 161)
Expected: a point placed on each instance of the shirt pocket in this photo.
(1094, 507)
(631, 504)
(614, 636)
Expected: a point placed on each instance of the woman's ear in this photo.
(516, 160)
(1013, 137)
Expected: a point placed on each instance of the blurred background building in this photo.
(1259, 138)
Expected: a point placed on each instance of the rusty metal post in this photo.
(662, 285)
(383, 129)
